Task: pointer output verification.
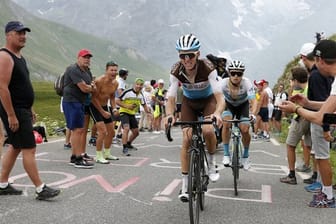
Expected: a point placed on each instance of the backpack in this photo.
(59, 84)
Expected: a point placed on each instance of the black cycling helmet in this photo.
(123, 72)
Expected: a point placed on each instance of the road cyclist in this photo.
(239, 98)
(201, 93)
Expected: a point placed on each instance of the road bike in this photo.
(236, 150)
(198, 178)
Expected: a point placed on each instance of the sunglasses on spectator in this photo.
(187, 55)
(239, 74)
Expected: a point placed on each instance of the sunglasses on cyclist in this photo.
(239, 74)
(187, 55)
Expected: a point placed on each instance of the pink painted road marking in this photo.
(103, 183)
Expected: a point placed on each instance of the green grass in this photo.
(47, 105)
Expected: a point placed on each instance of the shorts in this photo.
(24, 137)
(127, 119)
(97, 116)
(277, 114)
(320, 146)
(297, 130)
(74, 114)
(178, 108)
(263, 113)
(240, 112)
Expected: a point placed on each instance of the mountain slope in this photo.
(262, 33)
(51, 47)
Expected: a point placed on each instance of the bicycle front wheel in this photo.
(194, 188)
(235, 166)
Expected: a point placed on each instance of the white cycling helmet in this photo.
(236, 65)
(188, 42)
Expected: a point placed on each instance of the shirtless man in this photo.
(106, 86)
(263, 109)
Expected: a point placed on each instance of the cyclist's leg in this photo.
(227, 115)
(209, 106)
(245, 131)
(187, 114)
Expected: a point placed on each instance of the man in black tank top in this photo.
(17, 98)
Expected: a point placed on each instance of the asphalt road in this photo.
(143, 188)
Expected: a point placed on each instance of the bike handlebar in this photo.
(192, 123)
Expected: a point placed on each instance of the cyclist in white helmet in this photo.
(201, 94)
(239, 95)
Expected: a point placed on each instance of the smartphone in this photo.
(329, 118)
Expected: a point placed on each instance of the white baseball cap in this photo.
(160, 81)
(306, 49)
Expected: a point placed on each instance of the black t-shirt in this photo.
(20, 86)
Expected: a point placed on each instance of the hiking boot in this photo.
(125, 152)
(321, 201)
(288, 180)
(246, 163)
(10, 190)
(309, 180)
(304, 168)
(47, 192)
(314, 187)
(67, 146)
(184, 197)
(226, 161)
(83, 164)
(213, 173)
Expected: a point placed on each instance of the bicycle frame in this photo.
(198, 178)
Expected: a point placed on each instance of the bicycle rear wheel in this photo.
(194, 188)
(235, 166)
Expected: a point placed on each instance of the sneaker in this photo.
(304, 168)
(213, 173)
(226, 161)
(141, 129)
(47, 192)
(10, 190)
(309, 180)
(288, 180)
(72, 160)
(92, 141)
(116, 141)
(156, 132)
(83, 164)
(246, 163)
(67, 146)
(266, 137)
(119, 136)
(321, 201)
(110, 157)
(86, 157)
(131, 147)
(254, 137)
(184, 197)
(125, 152)
(102, 161)
(314, 187)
